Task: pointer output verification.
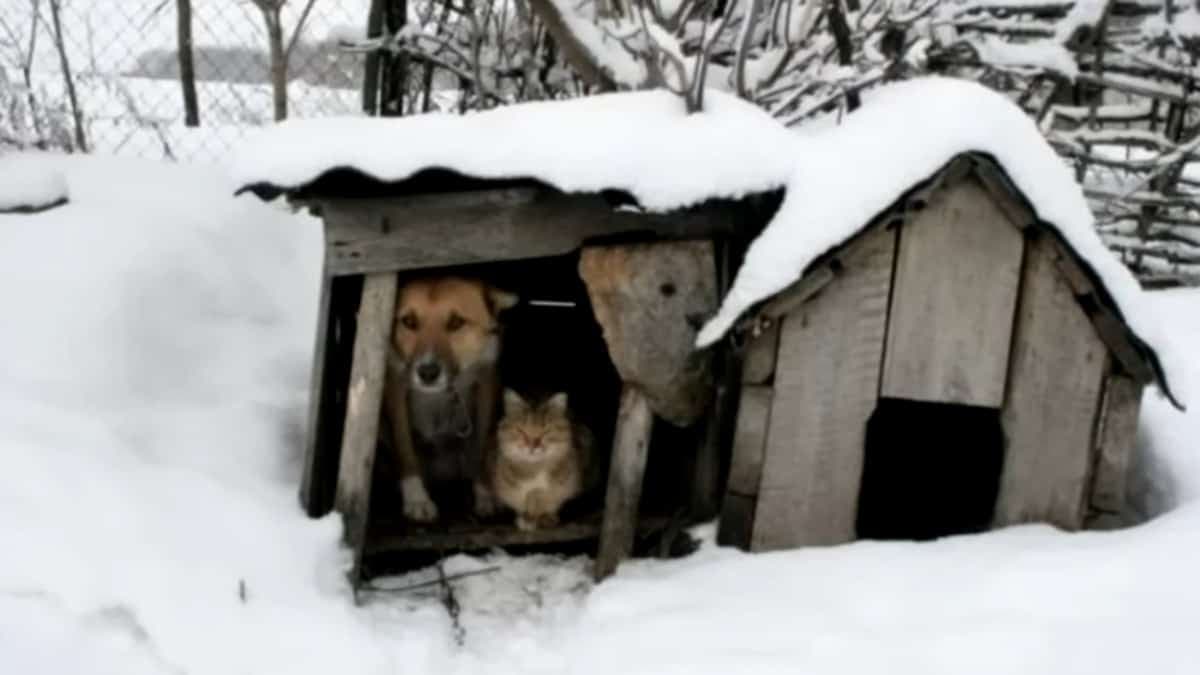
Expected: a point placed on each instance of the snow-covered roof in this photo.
(643, 143)
(32, 182)
(845, 175)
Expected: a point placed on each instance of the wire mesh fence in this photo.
(104, 75)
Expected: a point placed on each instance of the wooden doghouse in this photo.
(952, 367)
(644, 281)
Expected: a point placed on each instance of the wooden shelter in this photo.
(643, 281)
(952, 367)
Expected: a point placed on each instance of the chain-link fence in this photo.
(104, 75)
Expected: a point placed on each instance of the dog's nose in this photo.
(429, 372)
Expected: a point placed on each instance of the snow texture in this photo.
(152, 383)
(903, 134)
(30, 181)
(641, 142)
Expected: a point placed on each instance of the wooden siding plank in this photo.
(957, 274)
(1115, 439)
(363, 407)
(364, 236)
(745, 469)
(826, 387)
(1054, 390)
(630, 445)
(758, 359)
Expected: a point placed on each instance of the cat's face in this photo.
(534, 432)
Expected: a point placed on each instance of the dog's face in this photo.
(444, 326)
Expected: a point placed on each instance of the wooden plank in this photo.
(999, 187)
(314, 462)
(745, 468)
(363, 407)
(1115, 439)
(327, 392)
(630, 444)
(957, 274)
(389, 234)
(650, 301)
(758, 357)
(826, 387)
(1058, 365)
(397, 536)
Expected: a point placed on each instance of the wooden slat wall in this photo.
(745, 469)
(363, 407)
(957, 275)
(1055, 377)
(826, 386)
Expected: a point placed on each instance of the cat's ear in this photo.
(501, 300)
(513, 403)
(557, 403)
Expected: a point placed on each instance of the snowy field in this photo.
(153, 375)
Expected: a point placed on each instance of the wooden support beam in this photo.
(489, 226)
(327, 392)
(758, 356)
(363, 407)
(745, 469)
(630, 445)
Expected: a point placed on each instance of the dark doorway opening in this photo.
(929, 470)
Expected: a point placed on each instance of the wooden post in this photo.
(630, 444)
(363, 407)
(327, 392)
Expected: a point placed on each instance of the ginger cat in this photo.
(541, 458)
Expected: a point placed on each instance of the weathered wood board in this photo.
(745, 468)
(957, 275)
(1058, 366)
(624, 493)
(826, 387)
(327, 392)
(490, 225)
(363, 408)
(650, 300)
(1115, 439)
(758, 359)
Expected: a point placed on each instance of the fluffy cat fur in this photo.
(541, 459)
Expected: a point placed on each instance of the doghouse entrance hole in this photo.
(552, 343)
(930, 470)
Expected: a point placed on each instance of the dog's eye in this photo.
(409, 321)
(454, 323)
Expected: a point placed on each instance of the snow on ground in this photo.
(152, 377)
(667, 159)
(845, 175)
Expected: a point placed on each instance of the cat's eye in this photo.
(409, 321)
(454, 323)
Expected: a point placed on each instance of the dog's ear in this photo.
(500, 300)
(513, 403)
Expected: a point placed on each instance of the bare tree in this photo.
(280, 51)
(187, 64)
(68, 78)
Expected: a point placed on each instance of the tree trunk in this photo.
(843, 42)
(68, 79)
(370, 90)
(187, 65)
(279, 66)
(393, 70)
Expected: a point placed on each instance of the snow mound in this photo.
(31, 181)
(641, 142)
(903, 134)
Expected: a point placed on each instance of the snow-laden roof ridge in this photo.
(643, 143)
(905, 133)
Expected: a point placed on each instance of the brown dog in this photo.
(441, 393)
